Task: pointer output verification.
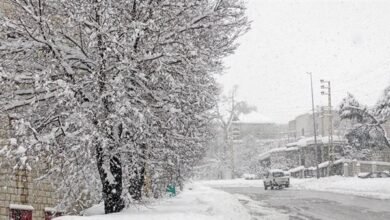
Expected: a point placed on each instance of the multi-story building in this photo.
(302, 125)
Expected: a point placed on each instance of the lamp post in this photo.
(314, 125)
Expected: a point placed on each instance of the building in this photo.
(301, 153)
(302, 125)
(256, 126)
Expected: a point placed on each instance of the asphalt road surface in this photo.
(304, 204)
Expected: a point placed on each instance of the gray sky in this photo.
(346, 42)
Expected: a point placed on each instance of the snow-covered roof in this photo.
(296, 169)
(342, 160)
(280, 149)
(21, 207)
(275, 171)
(375, 162)
(323, 164)
(306, 141)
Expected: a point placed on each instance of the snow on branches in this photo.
(114, 96)
(369, 129)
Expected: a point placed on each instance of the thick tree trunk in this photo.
(112, 189)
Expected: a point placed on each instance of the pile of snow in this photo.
(232, 183)
(372, 187)
(194, 203)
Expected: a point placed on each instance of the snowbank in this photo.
(195, 203)
(375, 188)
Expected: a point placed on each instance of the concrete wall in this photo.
(18, 187)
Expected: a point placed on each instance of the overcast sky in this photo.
(346, 42)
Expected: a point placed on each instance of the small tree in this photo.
(228, 110)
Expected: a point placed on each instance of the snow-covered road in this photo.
(307, 204)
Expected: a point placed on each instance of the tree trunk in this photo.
(136, 184)
(138, 180)
(112, 190)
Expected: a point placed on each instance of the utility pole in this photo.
(326, 86)
(231, 139)
(314, 126)
(235, 138)
(320, 110)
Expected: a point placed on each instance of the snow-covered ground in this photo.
(196, 202)
(200, 202)
(373, 187)
(232, 183)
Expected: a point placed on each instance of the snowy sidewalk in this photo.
(196, 202)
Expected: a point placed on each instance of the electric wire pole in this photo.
(330, 127)
(314, 126)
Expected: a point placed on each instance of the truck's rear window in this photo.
(278, 174)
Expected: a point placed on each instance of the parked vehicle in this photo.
(249, 176)
(374, 175)
(276, 178)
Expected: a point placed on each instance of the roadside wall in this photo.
(17, 186)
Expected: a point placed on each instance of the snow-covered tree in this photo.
(228, 109)
(111, 93)
(368, 130)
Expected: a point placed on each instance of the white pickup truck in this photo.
(276, 178)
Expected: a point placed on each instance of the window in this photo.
(278, 174)
(20, 212)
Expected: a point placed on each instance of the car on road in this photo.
(249, 176)
(276, 179)
(374, 175)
